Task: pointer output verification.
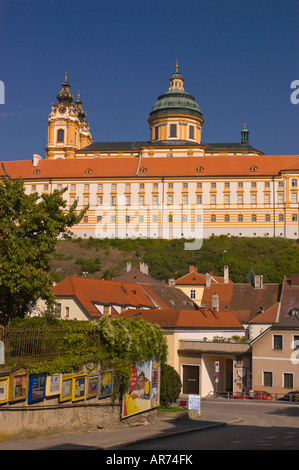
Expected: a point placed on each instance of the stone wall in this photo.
(51, 417)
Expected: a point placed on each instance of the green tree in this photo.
(30, 225)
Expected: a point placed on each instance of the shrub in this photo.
(170, 385)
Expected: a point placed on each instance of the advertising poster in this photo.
(4, 384)
(143, 389)
(106, 383)
(92, 386)
(79, 387)
(37, 387)
(53, 385)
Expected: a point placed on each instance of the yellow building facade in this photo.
(171, 186)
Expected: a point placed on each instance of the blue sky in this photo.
(238, 58)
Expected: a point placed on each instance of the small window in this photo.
(100, 200)
(185, 185)
(213, 185)
(128, 200)
(170, 218)
(170, 200)
(253, 184)
(253, 218)
(253, 199)
(240, 199)
(213, 199)
(60, 135)
(226, 185)
(185, 218)
(99, 218)
(191, 132)
(267, 184)
(67, 312)
(198, 199)
(185, 199)
(268, 379)
(141, 219)
(155, 200)
(280, 217)
(170, 185)
(155, 185)
(141, 200)
(173, 130)
(267, 217)
(46, 187)
(226, 199)
(240, 185)
(127, 219)
(100, 186)
(86, 187)
(113, 200)
(296, 342)
(85, 219)
(156, 132)
(193, 294)
(280, 198)
(288, 381)
(226, 218)
(155, 218)
(128, 186)
(294, 183)
(267, 198)
(213, 218)
(294, 217)
(86, 200)
(240, 218)
(141, 186)
(277, 342)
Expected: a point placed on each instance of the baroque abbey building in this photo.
(170, 186)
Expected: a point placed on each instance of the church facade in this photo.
(171, 186)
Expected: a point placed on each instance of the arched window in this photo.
(60, 135)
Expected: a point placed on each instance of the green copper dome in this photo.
(176, 100)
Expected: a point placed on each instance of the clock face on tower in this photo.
(62, 109)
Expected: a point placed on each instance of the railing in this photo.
(291, 397)
(32, 345)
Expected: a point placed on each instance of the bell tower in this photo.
(68, 130)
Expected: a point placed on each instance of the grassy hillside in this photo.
(272, 257)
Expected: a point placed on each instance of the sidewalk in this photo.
(166, 425)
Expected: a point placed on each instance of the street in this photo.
(262, 426)
(223, 425)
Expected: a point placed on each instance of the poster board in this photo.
(79, 387)
(53, 384)
(106, 383)
(18, 385)
(4, 389)
(66, 388)
(92, 386)
(143, 392)
(37, 387)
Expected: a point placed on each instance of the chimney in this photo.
(208, 280)
(215, 302)
(192, 269)
(129, 266)
(36, 159)
(144, 268)
(258, 281)
(171, 282)
(226, 278)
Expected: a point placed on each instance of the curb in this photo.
(168, 434)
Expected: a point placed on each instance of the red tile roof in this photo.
(199, 279)
(109, 167)
(193, 319)
(89, 292)
(268, 316)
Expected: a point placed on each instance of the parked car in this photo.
(290, 396)
(254, 395)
